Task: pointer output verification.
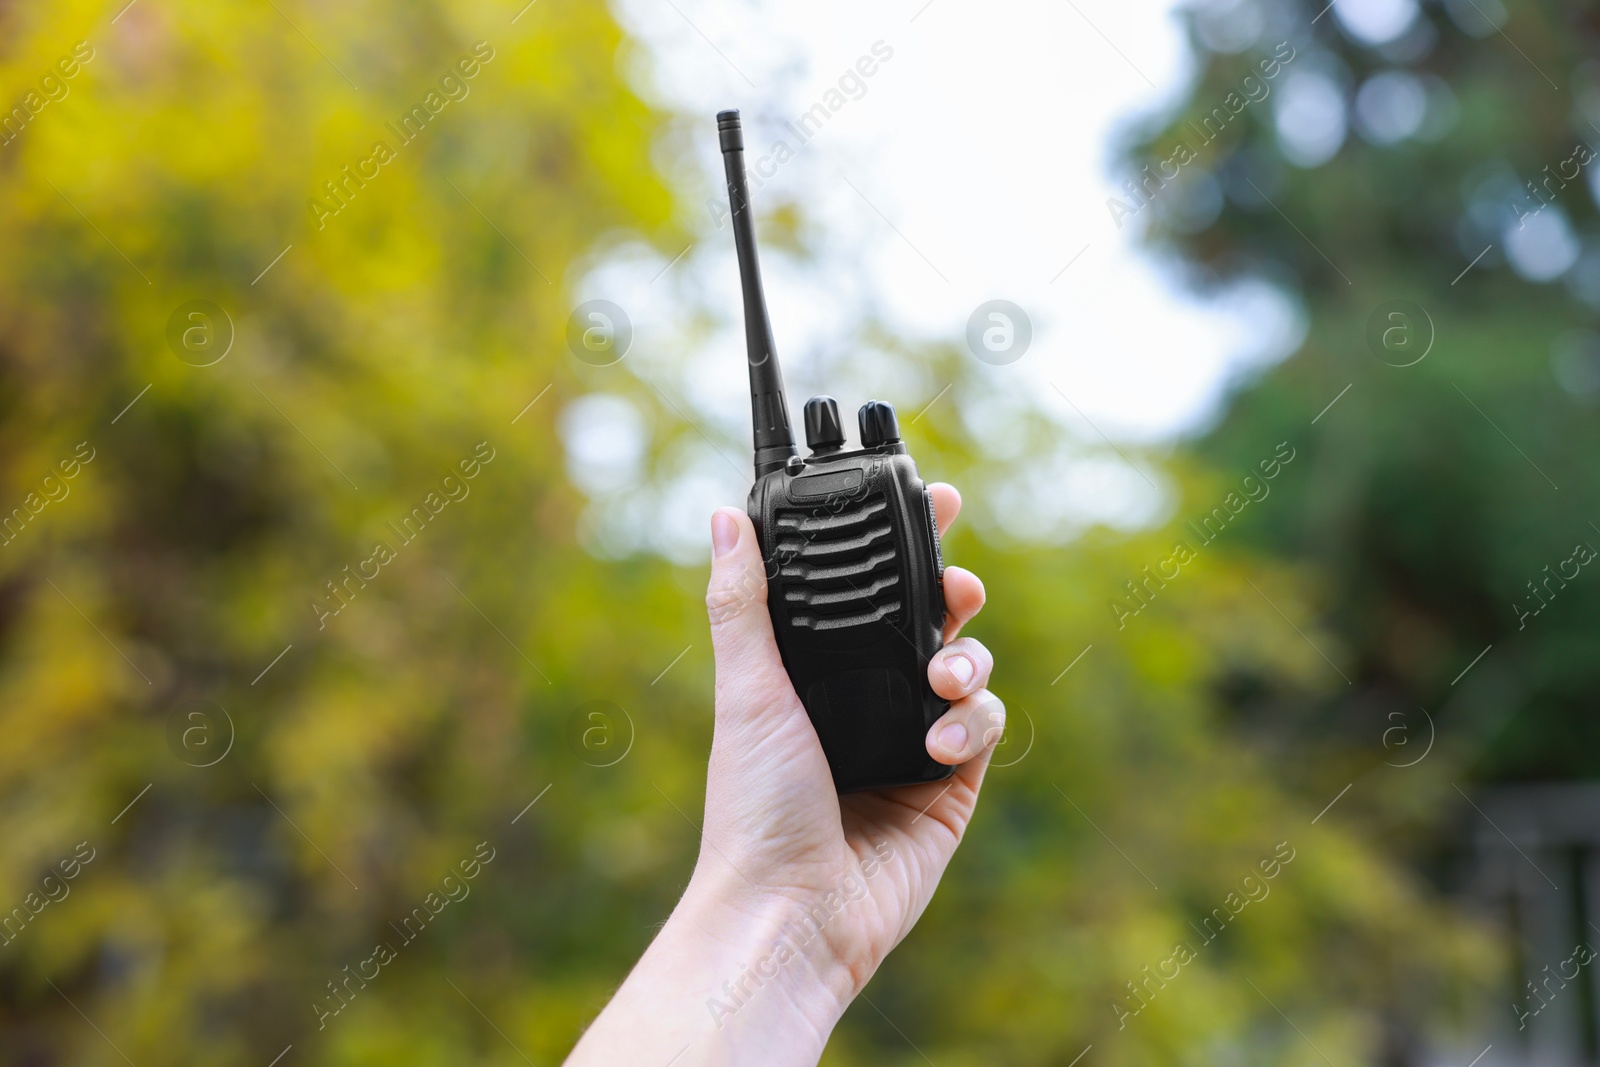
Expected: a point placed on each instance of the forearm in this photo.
(723, 983)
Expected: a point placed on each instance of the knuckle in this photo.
(973, 648)
(991, 717)
(731, 594)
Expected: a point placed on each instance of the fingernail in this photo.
(953, 738)
(961, 668)
(724, 534)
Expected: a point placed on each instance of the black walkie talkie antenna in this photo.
(769, 409)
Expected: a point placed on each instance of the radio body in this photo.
(853, 560)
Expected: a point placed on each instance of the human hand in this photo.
(798, 893)
(854, 872)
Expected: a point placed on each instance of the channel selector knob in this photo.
(824, 433)
(878, 424)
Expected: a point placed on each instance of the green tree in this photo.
(380, 727)
(1426, 193)
(1443, 489)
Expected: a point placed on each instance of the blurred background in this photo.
(368, 373)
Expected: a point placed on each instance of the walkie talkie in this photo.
(854, 571)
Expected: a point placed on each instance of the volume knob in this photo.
(878, 423)
(824, 433)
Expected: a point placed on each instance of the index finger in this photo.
(946, 504)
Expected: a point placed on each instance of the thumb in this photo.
(750, 672)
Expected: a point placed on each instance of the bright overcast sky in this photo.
(975, 165)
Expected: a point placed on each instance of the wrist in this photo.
(725, 982)
(765, 972)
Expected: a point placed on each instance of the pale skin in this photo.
(779, 845)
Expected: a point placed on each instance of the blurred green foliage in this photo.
(372, 751)
(1443, 489)
(1448, 503)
